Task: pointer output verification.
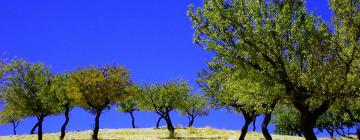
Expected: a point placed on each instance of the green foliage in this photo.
(28, 89)
(163, 98)
(130, 103)
(8, 115)
(287, 121)
(284, 45)
(195, 105)
(96, 88)
(60, 88)
(237, 89)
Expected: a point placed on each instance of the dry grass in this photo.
(155, 134)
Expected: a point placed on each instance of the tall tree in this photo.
(283, 42)
(163, 99)
(194, 106)
(97, 88)
(28, 90)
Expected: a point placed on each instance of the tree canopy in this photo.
(195, 106)
(284, 42)
(97, 88)
(28, 89)
(164, 98)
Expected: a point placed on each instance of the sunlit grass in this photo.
(206, 133)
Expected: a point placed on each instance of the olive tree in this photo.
(163, 99)
(130, 104)
(284, 42)
(13, 117)
(27, 89)
(240, 91)
(194, 106)
(97, 88)
(60, 88)
(287, 121)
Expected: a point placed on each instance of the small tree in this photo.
(287, 121)
(97, 88)
(28, 90)
(60, 88)
(11, 116)
(164, 98)
(194, 106)
(130, 104)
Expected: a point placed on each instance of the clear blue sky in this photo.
(153, 39)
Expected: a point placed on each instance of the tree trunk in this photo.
(264, 126)
(331, 134)
(15, 124)
(170, 126)
(34, 128)
(132, 119)
(254, 124)
(267, 119)
(358, 133)
(63, 127)
(330, 131)
(40, 132)
(96, 128)
(299, 134)
(244, 129)
(191, 121)
(309, 116)
(307, 124)
(158, 122)
(249, 117)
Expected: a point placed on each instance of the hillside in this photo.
(154, 134)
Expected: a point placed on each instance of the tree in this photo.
(283, 42)
(11, 116)
(97, 88)
(287, 121)
(194, 106)
(129, 105)
(164, 98)
(241, 91)
(60, 88)
(28, 90)
(223, 91)
(347, 115)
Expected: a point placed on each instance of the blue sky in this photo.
(153, 39)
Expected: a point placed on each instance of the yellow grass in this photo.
(155, 134)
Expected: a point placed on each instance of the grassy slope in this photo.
(154, 134)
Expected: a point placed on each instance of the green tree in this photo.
(224, 92)
(164, 98)
(60, 88)
(97, 88)
(287, 121)
(348, 115)
(241, 91)
(130, 104)
(14, 117)
(194, 106)
(27, 89)
(280, 40)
